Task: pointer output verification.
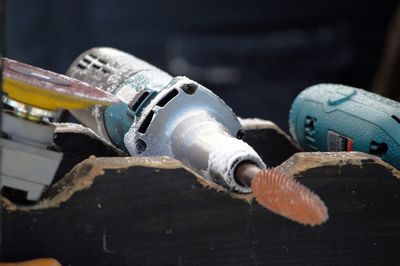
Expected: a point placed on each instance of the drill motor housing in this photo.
(161, 115)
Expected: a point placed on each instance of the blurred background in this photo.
(256, 55)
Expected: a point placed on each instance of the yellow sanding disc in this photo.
(48, 90)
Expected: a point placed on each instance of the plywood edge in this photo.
(82, 176)
(304, 161)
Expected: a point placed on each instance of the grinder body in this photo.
(329, 117)
(161, 115)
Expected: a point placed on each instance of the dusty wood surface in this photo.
(139, 211)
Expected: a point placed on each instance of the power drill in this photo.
(330, 117)
(161, 115)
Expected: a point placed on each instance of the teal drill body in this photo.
(119, 118)
(329, 117)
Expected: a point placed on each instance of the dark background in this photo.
(256, 55)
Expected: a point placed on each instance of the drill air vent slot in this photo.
(92, 56)
(87, 61)
(146, 122)
(167, 98)
(84, 63)
(93, 61)
(309, 131)
(102, 61)
(378, 149)
(137, 101)
(81, 66)
(396, 118)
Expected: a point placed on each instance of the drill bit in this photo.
(282, 194)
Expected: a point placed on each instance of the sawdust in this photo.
(303, 161)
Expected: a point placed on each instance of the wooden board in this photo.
(132, 211)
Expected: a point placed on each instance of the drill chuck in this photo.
(161, 115)
(329, 117)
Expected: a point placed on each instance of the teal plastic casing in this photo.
(119, 118)
(330, 117)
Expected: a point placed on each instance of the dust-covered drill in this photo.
(161, 115)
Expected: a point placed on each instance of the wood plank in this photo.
(154, 212)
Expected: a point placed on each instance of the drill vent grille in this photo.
(146, 122)
(309, 132)
(91, 61)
